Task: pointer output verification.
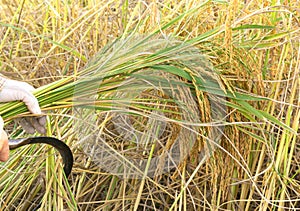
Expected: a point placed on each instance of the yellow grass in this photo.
(255, 50)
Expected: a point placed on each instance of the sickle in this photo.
(63, 149)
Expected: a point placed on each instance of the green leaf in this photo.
(253, 26)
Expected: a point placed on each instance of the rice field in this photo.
(166, 105)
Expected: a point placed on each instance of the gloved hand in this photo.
(4, 148)
(20, 91)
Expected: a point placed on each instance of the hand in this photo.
(4, 148)
(20, 91)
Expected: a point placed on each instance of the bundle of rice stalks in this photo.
(142, 106)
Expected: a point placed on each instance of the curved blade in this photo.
(63, 149)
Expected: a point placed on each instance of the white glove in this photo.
(20, 91)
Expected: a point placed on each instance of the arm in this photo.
(4, 149)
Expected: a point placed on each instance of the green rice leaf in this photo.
(253, 26)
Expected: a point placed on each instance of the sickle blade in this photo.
(63, 149)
